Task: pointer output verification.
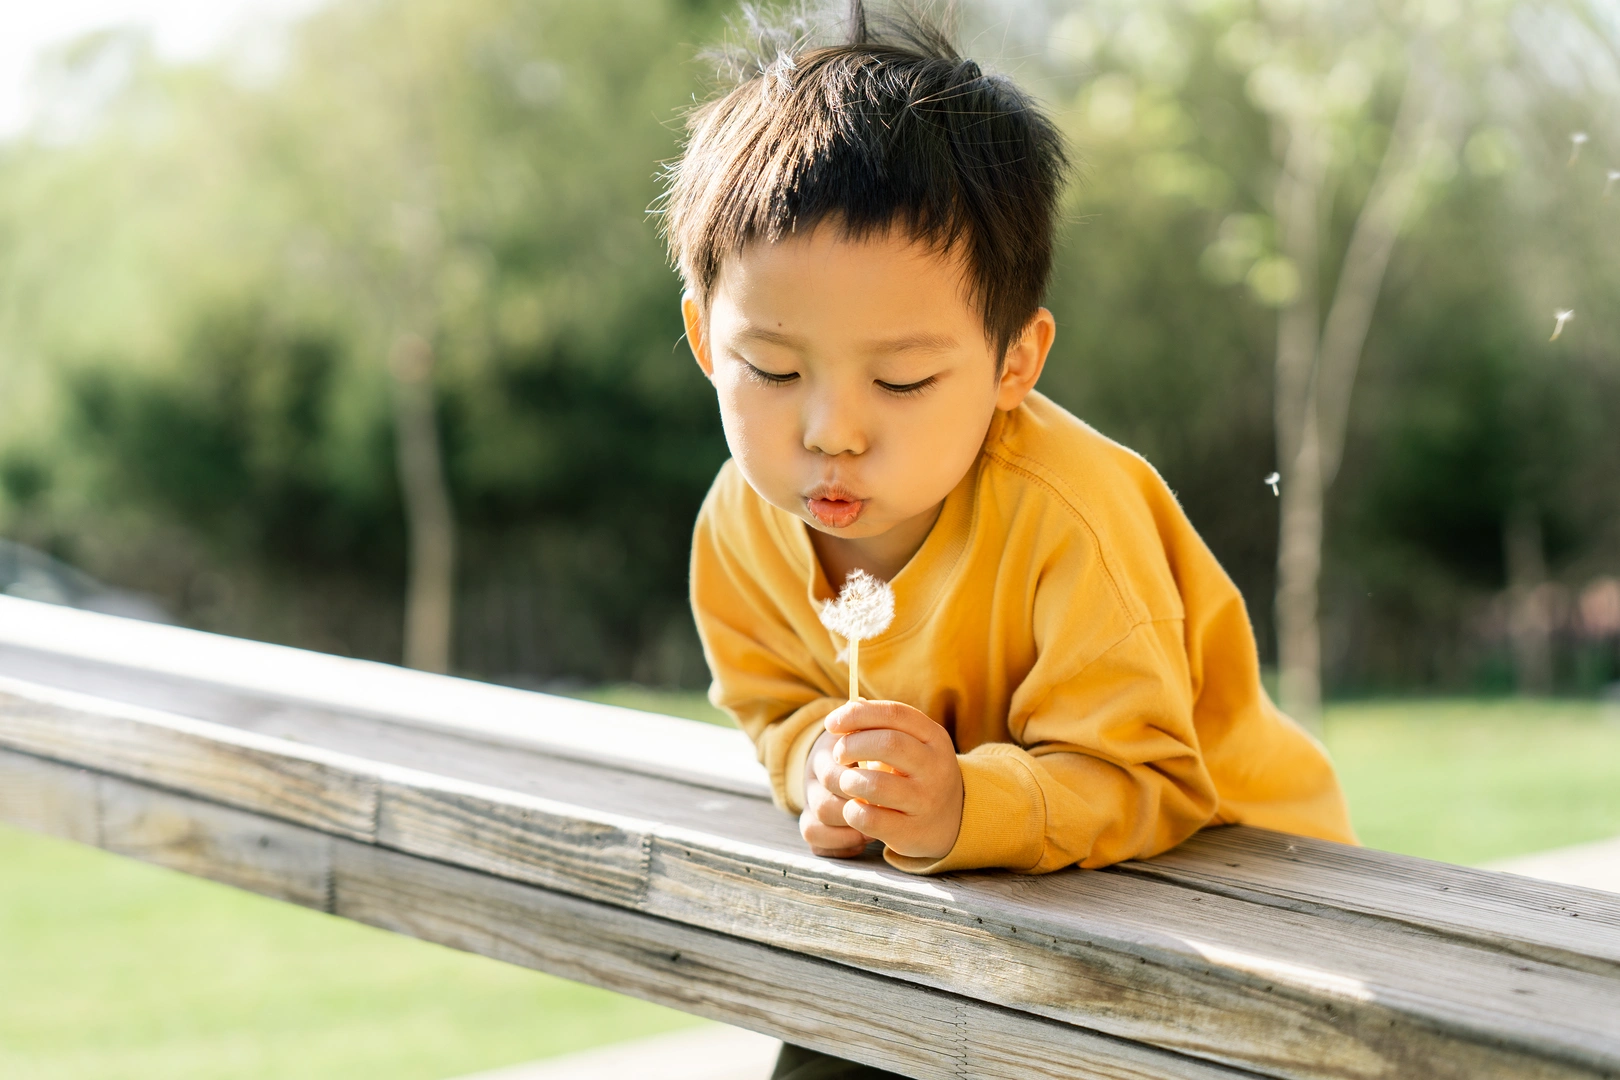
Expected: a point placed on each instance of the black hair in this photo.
(889, 126)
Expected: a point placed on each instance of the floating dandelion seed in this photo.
(1562, 317)
(1576, 141)
(1275, 480)
(1614, 174)
(863, 610)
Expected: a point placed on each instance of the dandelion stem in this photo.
(854, 669)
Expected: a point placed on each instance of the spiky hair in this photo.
(870, 124)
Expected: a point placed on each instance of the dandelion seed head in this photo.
(1578, 138)
(863, 610)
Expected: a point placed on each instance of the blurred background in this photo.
(346, 325)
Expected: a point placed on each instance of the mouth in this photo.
(834, 506)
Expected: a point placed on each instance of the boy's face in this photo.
(855, 379)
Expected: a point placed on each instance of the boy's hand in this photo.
(917, 809)
(822, 823)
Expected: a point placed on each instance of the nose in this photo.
(833, 422)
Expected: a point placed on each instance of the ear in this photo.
(1026, 356)
(692, 314)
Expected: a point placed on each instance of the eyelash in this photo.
(909, 389)
(769, 378)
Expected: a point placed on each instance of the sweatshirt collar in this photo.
(918, 584)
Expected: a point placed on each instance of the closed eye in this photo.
(769, 378)
(907, 389)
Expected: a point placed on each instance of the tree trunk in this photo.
(430, 587)
(1316, 369)
(1299, 572)
(1299, 535)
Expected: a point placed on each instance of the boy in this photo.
(865, 232)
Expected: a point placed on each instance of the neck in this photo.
(882, 556)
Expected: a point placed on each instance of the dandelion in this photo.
(1561, 318)
(1576, 141)
(1275, 480)
(1613, 175)
(863, 610)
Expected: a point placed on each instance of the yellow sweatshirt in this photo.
(1092, 661)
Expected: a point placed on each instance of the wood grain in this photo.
(294, 783)
(889, 1023)
(45, 797)
(249, 851)
(1270, 966)
(524, 838)
(892, 1024)
(626, 739)
(1559, 924)
(1273, 993)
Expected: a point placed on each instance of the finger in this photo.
(878, 822)
(883, 789)
(827, 769)
(895, 749)
(895, 715)
(825, 806)
(829, 840)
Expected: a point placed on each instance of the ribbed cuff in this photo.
(788, 789)
(1003, 816)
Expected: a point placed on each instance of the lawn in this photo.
(111, 970)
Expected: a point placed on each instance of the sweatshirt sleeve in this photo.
(1106, 767)
(763, 676)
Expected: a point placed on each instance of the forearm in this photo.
(1037, 813)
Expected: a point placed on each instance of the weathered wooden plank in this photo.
(515, 836)
(886, 1022)
(1282, 991)
(249, 851)
(524, 837)
(660, 746)
(299, 784)
(46, 797)
(1294, 1015)
(1559, 924)
(1283, 995)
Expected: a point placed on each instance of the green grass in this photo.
(688, 704)
(1473, 781)
(111, 970)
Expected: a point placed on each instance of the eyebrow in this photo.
(922, 341)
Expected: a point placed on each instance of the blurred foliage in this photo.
(202, 267)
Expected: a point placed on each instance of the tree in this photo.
(1366, 106)
(1317, 358)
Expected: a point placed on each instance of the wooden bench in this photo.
(642, 854)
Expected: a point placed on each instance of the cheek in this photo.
(941, 442)
(760, 425)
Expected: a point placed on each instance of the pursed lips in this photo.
(834, 505)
